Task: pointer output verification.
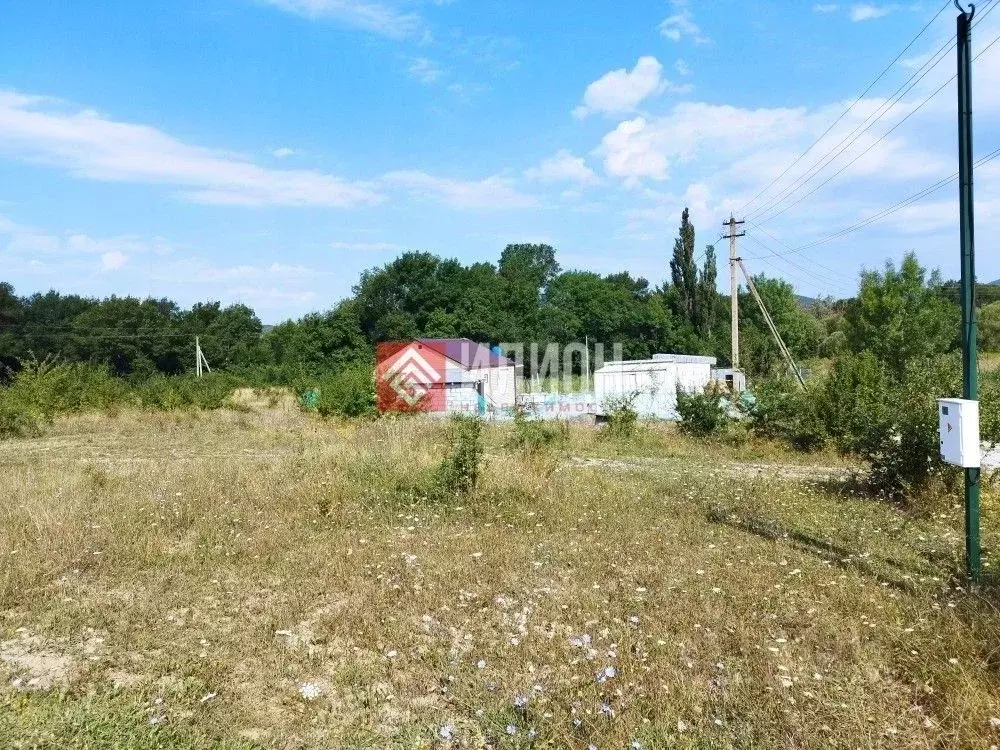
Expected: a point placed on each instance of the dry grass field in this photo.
(264, 579)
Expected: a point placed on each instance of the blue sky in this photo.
(268, 151)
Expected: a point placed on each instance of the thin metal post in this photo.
(970, 379)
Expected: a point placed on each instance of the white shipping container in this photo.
(653, 382)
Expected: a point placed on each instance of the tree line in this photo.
(525, 297)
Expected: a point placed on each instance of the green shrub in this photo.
(889, 420)
(47, 388)
(458, 473)
(783, 411)
(622, 418)
(535, 436)
(18, 422)
(211, 391)
(347, 393)
(702, 414)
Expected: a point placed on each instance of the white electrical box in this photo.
(958, 426)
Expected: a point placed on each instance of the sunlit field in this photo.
(261, 578)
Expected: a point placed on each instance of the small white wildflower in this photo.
(391, 654)
(682, 726)
(446, 732)
(481, 664)
(511, 729)
(995, 722)
(521, 702)
(953, 660)
(634, 620)
(607, 710)
(310, 691)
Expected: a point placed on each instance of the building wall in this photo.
(499, 388)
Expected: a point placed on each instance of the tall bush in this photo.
(458, 473)
(702, 414)
(349, 392)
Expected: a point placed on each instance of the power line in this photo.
(768, 212)
(871, 146)
(832, 271)
(848, 110)
(808, 276)
(765, 213)
(930, 189)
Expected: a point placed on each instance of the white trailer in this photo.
(652, 384)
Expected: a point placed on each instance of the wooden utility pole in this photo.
(734, 297)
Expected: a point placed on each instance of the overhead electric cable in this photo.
(847, 111)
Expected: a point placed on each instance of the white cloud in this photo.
(826, 8)
(867, 11)
(43, 250)
(424, 70)
(366, 247)
(641, 148)
(370, 16)
(113, 260)
(92, 146)
(681, 24)
(494, 192)
(283, 153)
(623, 90)
(563, 167)
(682, 68)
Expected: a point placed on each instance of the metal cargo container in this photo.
(653, 383)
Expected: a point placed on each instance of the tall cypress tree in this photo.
(683, 271)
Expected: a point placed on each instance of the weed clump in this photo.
(458, 473)
(622, 417)
(534, 437)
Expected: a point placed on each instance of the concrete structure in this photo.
(653, 383)
(735, 380)
(477, 379)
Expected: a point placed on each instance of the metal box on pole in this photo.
(958, 427)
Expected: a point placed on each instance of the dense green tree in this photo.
(229, 336)
(901, 314)
(801, 331)
(989, 327)
(131, 336)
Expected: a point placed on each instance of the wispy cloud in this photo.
(494, 192)
(43, 249)
(424, 70)
(92, 146)
(367, 247)
(563, 167)
(868, 12)
(375, 17)
(826, 8)
(681, 24)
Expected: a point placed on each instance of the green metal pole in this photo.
(970, 380)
